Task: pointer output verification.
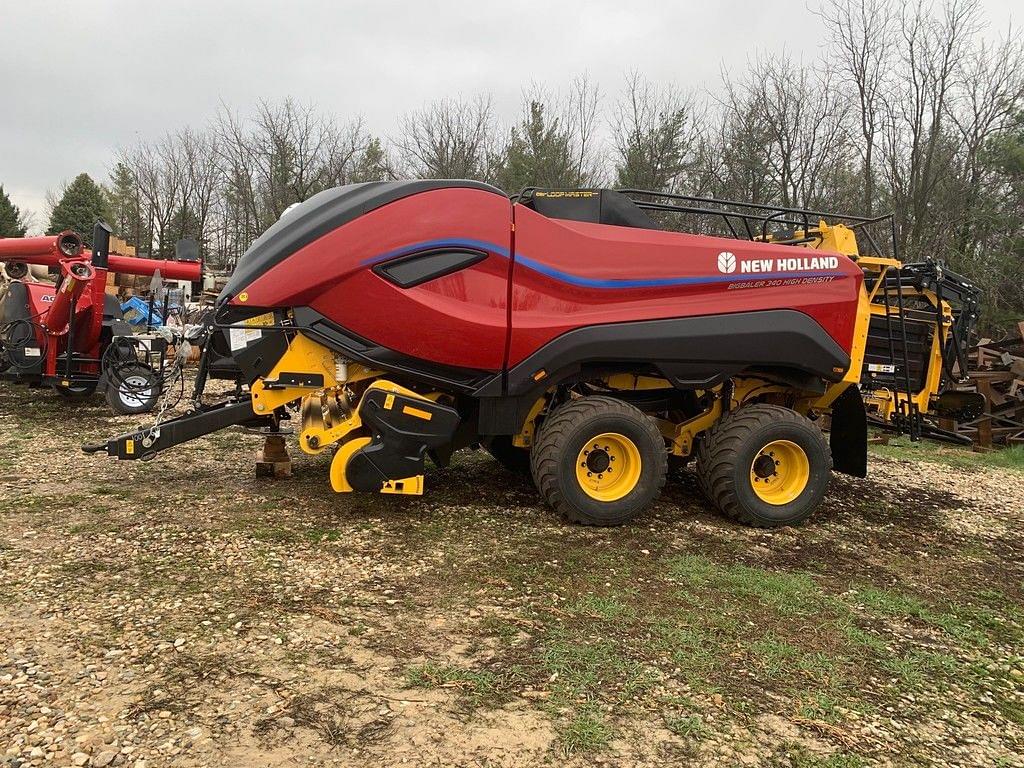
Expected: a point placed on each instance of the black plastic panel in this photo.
(342, 340)
(690, 351)
(418, 268)
(598, 206)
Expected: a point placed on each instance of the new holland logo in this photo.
(726, 262)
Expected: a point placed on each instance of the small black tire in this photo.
(726, 457)
(565, 437)
(133, 389)
(513, 458)
(75, 394)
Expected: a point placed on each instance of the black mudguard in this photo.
(849, 435)
(404, 429)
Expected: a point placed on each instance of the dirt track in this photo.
(185, 613)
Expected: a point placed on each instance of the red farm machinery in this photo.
(70, 334)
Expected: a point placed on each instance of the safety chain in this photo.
(151, 433)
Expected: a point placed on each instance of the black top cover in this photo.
(326, 211)
(598, 206)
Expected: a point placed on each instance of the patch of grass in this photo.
(316, 534)
(496, 626)
(972, 626)
(95, 526)
(787, 593)
(269, 533)
(916, 668)
(773, 656)
(821, 706)
(689, 727)
(608, 608)
(801, 757)
(433, 675)
(792, 594)
(887, 602)
(1007, 458)
(693, 570)
(85, 567)
(695, 646)
(584, 731)
(861, 639)
(588, 669)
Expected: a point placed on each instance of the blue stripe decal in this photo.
(656, 282)
(588, 282)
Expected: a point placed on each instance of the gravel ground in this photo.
(183, 612)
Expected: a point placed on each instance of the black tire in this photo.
(726, 456)
(132, 389)
(511, 457)
(565, 435)
(75, 394)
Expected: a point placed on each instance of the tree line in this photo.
(911, 108)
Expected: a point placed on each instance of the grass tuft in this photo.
(585, 731)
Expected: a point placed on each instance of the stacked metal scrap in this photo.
(996, 372)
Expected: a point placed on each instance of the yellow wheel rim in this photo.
(608, 467)
(780, 472)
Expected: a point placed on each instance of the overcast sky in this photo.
(80, 78)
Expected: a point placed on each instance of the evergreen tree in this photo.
(82, 204)
(539, 153)
(11, 223)
(123, 204)
(998, 223)
(372, 164)
(652, 150)
(186, 224)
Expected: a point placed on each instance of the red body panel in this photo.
(458, 320)
(566, 275)
(570, 274)
(88, 323)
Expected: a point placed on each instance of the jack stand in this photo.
(273, 459)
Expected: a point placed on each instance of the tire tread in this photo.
(718, 448)
(548, 449)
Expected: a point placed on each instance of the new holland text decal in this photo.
(727, 264)
(772, 272)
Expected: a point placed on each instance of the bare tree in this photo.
(989, 95)
(284, 154)
(793, 117)
(917, 107)
(863, 33)
(159, 173)
(202, 180)
(448, 139)
(553, 144)
(581, 117)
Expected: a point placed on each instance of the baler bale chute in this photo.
(67, 334)
(575, 336)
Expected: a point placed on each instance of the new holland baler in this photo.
(574, 336)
